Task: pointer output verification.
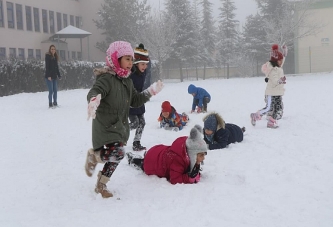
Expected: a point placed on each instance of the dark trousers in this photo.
(204, 103)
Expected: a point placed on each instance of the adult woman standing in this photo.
(52, 74)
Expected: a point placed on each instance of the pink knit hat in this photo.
(115, 51)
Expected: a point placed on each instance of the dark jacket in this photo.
(225, 134)
(138, 79)
(118, 94)
(51, 67)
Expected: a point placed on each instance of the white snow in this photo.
(275, 177)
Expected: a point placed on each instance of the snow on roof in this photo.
(71, 32)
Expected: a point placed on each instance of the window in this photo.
(65, 20)
(21, 53)
(44, 19)
(51, 17)
(63, 54)
(79, 56)
(2, 53)
(12, 52)
(19, 16)
(30, 53)
(59, 25)
(71, 20)
(10, 15)
(77, 22)
(38, 54)
(73, 55)
(36, 20)
(2, 24)
(28, 18)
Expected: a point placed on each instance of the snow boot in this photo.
(55, 104)
(137, 146)
(50, 105)
(272, 123)
(101, 185)
(135, 160)
(91, 161)
(255, 117)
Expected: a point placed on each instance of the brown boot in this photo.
(101, 185)
(93, 157)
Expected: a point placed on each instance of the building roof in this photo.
(71, 32)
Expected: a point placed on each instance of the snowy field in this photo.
(274, 178)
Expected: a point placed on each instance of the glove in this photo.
(284, 50)
(175, 129)
(195, 180)
(266, 79)
(155, 88)
(282, 80)
(192, 111)
(92, 106)
(199, 110)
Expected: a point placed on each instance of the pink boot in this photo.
(255, 117)
(272, 123)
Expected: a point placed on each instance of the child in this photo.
(200, 98)
(178, 163)
(109, 101)
(138, 75)
(219, 134)
(169, 118)
(274, 89)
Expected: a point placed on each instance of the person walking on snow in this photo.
(200, 98)
(138, 75)
(109, 101)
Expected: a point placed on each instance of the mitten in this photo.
(155, 88)
(175, 129)
(199, 110)
(195, 179)
(266, 79)
(282, 80)
(92, 106)
(192, 111)
(284, 50)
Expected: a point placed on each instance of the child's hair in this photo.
(274, 63)
(55, 53)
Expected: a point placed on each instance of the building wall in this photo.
(315, 53)
(83, 12)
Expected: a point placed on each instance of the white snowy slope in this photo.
(274, 178)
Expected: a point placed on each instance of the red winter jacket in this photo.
(171, 162)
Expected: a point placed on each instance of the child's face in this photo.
(201, 156)
(142, 66)
(165, 114)
(126, 62)
(193, 94)
(208, 132)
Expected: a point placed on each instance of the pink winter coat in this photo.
(171, 162)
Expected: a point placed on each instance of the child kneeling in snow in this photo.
(171, 120)
(178, 163)
(219, 134)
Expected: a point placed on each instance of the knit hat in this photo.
(195, 144)
(115, 51)
(275, 53)
(191, 89)
(166, 106)
(140, 54)
(210, 123)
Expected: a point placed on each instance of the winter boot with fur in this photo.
(272, 123)
(101, 185)
(255, 117)
(93, 157)
(137, 146)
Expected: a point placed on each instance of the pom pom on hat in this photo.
(141, 54)
(166, 107)
(195, 144)
(276, 55)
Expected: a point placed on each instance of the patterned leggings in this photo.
(137, 122)
(112, 154)
(277, 107)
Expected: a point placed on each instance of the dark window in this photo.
(12, 52)
(68, 55)
(19, 16)
(71, 20)
(21, 53)
(77, 22)
(73, 55)
(36, 20)
(28, 17)
(79, 56)
(65, 20)
(2, 53)
(10, 15)
(44, 19)
(51, 17)
(59, 25)
(2, 24)
(30, 53)
(63, 54)
(38, 54)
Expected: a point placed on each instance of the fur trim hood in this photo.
(105, 70)
(220, 121)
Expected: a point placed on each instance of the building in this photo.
(27, 26)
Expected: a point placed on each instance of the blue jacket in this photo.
(200, 94)
(138, 79)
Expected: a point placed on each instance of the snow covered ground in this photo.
(275, 177)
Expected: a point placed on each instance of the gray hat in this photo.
(195, 144)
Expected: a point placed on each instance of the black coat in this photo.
(225, 136)
(51, 67)
(138, 79)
